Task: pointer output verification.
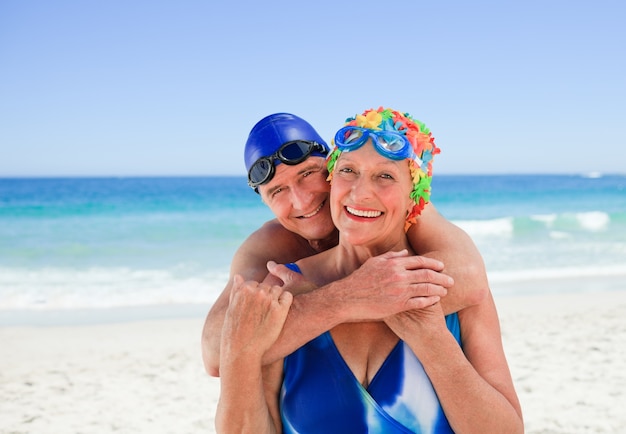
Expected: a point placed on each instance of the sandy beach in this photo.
(566, 354)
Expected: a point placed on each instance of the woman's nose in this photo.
(361, 188)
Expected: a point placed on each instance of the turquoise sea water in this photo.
(114, 242)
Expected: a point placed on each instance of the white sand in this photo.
(567, 354)
(144, 377)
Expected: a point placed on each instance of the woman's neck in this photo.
(350, 257)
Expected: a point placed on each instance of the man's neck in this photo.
(325, 244)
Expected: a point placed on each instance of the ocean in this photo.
(91, 243)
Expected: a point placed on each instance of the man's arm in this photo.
(383, 286)
(389, 284)
(435, 237)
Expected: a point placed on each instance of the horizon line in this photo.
(588, 174)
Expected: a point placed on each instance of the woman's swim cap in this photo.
(417, 134)
(271, 132)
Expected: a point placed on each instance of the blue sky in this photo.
(173, 87)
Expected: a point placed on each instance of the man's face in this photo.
(298, 197)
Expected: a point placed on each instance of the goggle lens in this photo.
(353, 138)
(391, 142)
(259, 171)
(294, 152)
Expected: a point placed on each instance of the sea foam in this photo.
(99, 287)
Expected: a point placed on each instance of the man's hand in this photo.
(383, 286)
(390, 283)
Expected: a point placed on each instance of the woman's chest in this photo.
(364, 347)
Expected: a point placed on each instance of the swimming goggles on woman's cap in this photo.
(290, 153)
(389, 144)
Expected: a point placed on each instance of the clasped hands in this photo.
(387, 287)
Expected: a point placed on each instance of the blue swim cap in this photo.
(271, 132)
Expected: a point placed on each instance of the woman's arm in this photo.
(252, 323)
(250, 261)
(474, 384)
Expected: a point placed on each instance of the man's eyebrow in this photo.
(311, 166)
(306, 168)
(271, 190)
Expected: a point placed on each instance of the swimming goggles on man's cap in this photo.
(290, 153)
(389, 144)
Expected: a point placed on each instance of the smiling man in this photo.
(286, 162)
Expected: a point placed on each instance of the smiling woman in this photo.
(369, 371)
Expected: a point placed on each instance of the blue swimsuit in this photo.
(320, 394)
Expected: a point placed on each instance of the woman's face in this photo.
(370, 197)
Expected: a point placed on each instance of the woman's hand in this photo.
(254, 319)
(418, 324)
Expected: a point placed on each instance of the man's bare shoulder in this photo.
(273, 242)
(274, 231)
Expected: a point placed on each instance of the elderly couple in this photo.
(359, 330)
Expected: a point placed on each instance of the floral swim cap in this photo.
(418, 135)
